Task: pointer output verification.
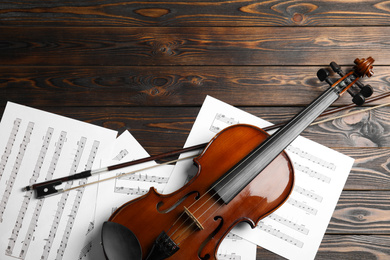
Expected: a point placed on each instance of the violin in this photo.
(243, 176)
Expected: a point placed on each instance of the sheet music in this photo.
(36, 146)
(296, 229)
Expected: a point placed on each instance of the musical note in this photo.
(312, 173)
(61, 204)
(233, 237)
(131, 191)
(84, 252)
(221, 121)
(302, 206)
(122, 154)
(78, 198)
(232, 256)
(308, 193)
(38, 146)
(91, 226)
(10, 144)
(300, 228)
(27, 198)
(144, 178)
(15, 169)
(312, 158)
(38, 207)
(277, 233)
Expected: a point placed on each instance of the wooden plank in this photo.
(191, 46)
(354, 247)
(169, 126)
(347, 247)
(371, 169)
(361, 212)
(193, 13)
(171, 86)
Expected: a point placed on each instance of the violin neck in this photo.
(229, 185)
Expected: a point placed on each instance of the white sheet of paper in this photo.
(36, 146)
(113, 193)
(296, 229)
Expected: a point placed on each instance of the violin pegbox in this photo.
(350, 81)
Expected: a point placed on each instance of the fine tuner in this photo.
(357, 90)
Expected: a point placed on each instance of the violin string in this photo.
(314, 123)
(205, 211)
(192, 223)
(177, 229)
(224, 177)
(210, 215)
(181, 215)
(239, 178)
(209, 190)
(173, 161)
(208, 199)
(198, 218)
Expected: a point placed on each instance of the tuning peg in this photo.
(358, 99)
(323, 75)
(336, 68)
(365, 91)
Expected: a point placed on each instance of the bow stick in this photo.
(47, 188)
(197, 147)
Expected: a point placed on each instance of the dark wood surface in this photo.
(147, 66)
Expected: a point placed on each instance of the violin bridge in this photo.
(194, 219)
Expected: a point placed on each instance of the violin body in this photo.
(194, 217)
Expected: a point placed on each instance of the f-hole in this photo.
(207, 256)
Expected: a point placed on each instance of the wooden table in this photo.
(146, 66)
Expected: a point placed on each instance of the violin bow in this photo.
(48, 188)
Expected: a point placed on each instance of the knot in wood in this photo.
(359, 215)
(152, 12)
(373, 131)
(165, 48)
(297, 18)
(299, 11)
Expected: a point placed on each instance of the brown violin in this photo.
(243, 176)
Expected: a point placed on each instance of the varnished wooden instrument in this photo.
(244, 175)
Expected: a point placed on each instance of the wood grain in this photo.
(171, 85)
(146, 66)
(346, 247)
(359, 212)
(169, 126)
(193, 13)
(89, 46)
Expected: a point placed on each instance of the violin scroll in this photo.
(364, 67)
(350, 81)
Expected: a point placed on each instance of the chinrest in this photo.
(119, 242)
